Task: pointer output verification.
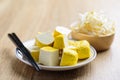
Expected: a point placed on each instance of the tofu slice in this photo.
(61, 41)
(83, 49)
(44, 39)
(49, 56)
(34, 50)
(72, 43)
(60, 30)
(69, 57)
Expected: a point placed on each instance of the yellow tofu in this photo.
(72, 42)
(44, 39)
(34, 50)
(60, 42)
(56, 33)
(49, 56)
(69, 57)
(60, 30)
(83, 49)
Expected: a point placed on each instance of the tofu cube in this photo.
(49, 56)
(34, 50)
(44, 39)
(83, 49)
(69, 57)
(60, 42)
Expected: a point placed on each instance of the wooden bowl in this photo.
(100, 43)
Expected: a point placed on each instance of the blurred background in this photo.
(41, 14)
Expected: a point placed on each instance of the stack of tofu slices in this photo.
(54, 49)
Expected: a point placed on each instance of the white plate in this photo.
(58, 68)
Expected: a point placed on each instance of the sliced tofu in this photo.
(60, 42)
(59, 30)
(49, 56)
(44, 39)
(34, 50)
(72, 48)
(72, 42)
(83, 49)
(69, 57)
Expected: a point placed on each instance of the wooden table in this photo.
(27, 17)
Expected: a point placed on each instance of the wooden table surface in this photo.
(27, 17)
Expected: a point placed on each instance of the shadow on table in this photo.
(28, 73)
(17, 68)
(22, 70)
(60, 75)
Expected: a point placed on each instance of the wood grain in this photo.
(27, 17)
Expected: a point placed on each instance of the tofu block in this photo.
(60, 42)
(69, 57)
(49, 56)
(83, 49)
(72, 48)
(60, 30)
(72, 43)
(34, 50)
(44, 39)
